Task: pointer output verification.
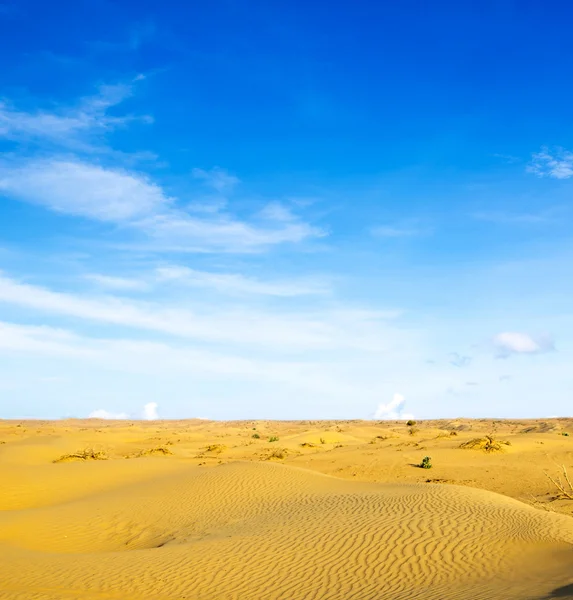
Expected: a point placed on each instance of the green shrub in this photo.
(411, 423)
(273, 438)
(256, 436)
(426, 463)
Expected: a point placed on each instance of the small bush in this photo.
(85, 454)
(308, 445)
(273, 438)
(322, 441)
(411, 423)
(256, 436)
(413, 430)
(452, 433)
(426, 463)
(215, 448)
(565, 433)
(278, 454)
(487, 444)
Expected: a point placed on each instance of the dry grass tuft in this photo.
(487, 444)
(85, 454)
(308, 445)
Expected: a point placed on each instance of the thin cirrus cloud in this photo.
(225, 283)
(396, 231)
(81, 189)
(73, 185)
(216, 178)
(557, 164)
(235, 283)
(120, 196)
(71, 126)
(327, 329)
(511, 342)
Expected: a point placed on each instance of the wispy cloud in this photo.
(508, 158)
(458, 360)
(216, 178)
(82, 189)
(557, 164)
(112, 282)
(509, 218)
(120, 196)
(327, 329)
(396, 231)
(69, 126)
(235, 283)
(511, 342)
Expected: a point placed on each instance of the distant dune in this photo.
(333, 510)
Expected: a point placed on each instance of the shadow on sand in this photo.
(565, 592)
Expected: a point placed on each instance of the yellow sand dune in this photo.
(173, 528)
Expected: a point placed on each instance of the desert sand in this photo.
(171, 510)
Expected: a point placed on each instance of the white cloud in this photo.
(81, 189)
(511, 342)
(393, 410)
(557, 164)
(104, 414)
(217, 178)
(178, 231)
(71, 126)
(116, 283)
(394, 231)
(150, 411)
(234, 283)
(325, 329)
(131, 199)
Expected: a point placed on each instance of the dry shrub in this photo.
(487, 444)
(157, 451)
(308, 445)
(85, 454)
(215, 448)
(564, 487)
(277, 454)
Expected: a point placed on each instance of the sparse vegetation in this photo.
(564, 487)
(278, 454)
(413, 430)
(85, 454)
(308, 445)
(273, 438)
(426, 463)
(157, 451)
(322, 441)
(453, 433)
(565, 433)
(411, 423)
(215, 448)
(487, 444)
(256, 436)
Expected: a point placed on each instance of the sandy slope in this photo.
(224, 516)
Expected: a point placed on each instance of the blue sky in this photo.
(285, 209)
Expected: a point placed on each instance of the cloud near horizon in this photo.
(393, 410)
